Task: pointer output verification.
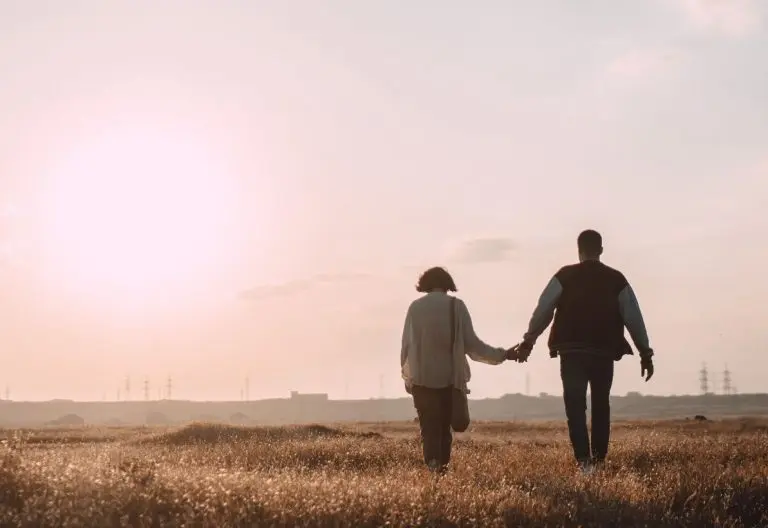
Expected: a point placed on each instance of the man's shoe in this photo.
(586, 467)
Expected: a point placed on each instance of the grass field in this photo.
(659, 474)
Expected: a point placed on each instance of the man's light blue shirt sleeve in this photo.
(633, 320)
(545, 310)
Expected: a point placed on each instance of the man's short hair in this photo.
(435, 279)
(590, 242)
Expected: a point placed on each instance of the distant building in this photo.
(308, 398)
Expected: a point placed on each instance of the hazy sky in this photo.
(215, 189)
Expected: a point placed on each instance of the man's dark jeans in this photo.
(434, 409)
(577, 370)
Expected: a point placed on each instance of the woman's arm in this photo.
(476, 348)
(406, 338)
(405, 371)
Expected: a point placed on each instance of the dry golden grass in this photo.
(659, 474)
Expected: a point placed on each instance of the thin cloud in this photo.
(644, 63)
(482, 250)
(731, 18)
(298, 286)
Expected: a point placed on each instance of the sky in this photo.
(215, 190)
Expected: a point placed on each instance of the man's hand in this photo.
(646, 368)
(524, 349)
(512, 353)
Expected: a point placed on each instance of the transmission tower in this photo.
(727, 388)
(146, 389)
(169, 387)
(704, 379)
(127, 388)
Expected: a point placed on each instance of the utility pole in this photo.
(169, 387)
(146, 389)
(704, 379)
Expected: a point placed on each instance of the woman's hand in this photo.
(512, 353)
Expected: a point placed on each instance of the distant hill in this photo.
(303, 409)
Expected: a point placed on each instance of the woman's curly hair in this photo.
(435, 279)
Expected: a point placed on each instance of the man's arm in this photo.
(633, 320)
(544, 311)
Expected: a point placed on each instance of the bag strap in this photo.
(453, 323)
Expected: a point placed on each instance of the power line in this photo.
(704, 379)
(727, 387)
(346, 386)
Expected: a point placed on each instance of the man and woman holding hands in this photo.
(590, 303)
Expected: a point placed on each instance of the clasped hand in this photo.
(520, 352)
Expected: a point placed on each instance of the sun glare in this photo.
(131, 214)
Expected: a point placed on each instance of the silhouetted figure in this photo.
(434, 360)
(591, 303)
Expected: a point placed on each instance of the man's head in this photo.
(590, 245)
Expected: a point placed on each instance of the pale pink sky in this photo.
(218, 188)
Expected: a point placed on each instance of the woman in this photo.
(432, 365)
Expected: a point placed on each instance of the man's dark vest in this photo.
(587, 316)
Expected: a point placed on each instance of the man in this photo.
(591, 303)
